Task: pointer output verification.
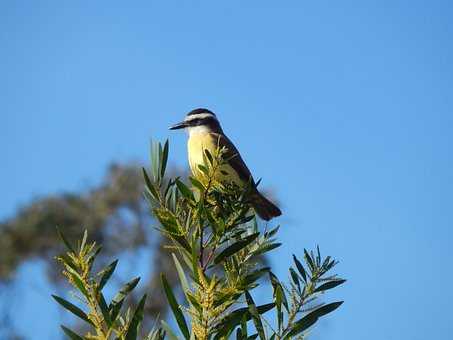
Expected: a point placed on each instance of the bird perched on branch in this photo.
(205, 133)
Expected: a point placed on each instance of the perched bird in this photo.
(205, 133)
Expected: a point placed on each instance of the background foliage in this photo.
(115, 215)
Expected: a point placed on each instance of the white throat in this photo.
(201, 129)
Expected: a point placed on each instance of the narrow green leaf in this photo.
(197, 184)
(132, 329)
(77, 281)
(182, 276)
(255, 275)
(184, 190)
(311, 318)
(193, 301)
(67, 261)
(309, 260)
(244, 220)
(294, 277)
(280, 319)
(172, 228)
(194, 259)
(279, 298)
(92, 256)
(208, 156)
(175, 308)
(326, 263)
(72, 335)
(67, 244)
(105, 274)
(318, 256)
(255, 315)
(279, 292)
(168, 220)
(329, 285)
(118, 300)
(156, 333)
(244, 320)
(266, 247)
(174, 197)
(271, 232)
(203, 169)
(226, 298)
(72, 308)
(149, 185)
(169, 185)
(331, 264)
(235, 247)
(265, 308)
(104, 309)
(181, 240)
(84, 240)
(155, 160)
(163, 164)
(234, 318)
(300, 268)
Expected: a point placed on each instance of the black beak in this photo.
(181, 125)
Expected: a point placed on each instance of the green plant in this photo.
(217, 248)
(105, 319)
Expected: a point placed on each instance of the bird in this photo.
(206, 133)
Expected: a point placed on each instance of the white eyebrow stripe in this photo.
(199, 116)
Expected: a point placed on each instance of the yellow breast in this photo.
(196, 145)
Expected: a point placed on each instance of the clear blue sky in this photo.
(345, 108)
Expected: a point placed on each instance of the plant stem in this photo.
(201, 247)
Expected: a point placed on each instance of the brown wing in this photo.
(234, 158)
(263, 207)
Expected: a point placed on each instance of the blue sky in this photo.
(343, 108)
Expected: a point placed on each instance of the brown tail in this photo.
(263, 207)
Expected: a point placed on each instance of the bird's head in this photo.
(199, 121)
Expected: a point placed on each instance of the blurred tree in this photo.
(114, 213)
